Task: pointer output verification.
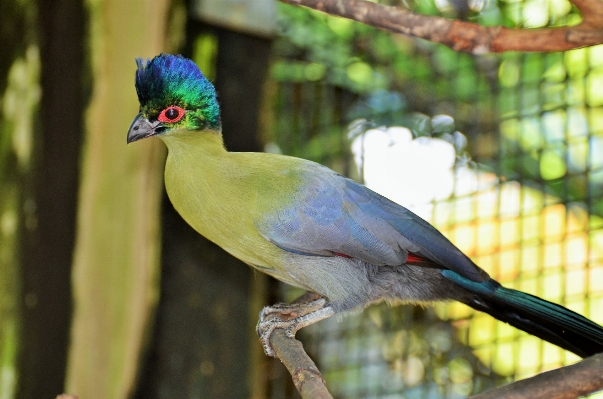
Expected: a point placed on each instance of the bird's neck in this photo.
(215, 191)
(197, 163)
(208, 143)
(197, 174)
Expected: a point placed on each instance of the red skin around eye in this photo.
(163, 117)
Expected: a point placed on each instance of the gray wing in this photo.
(335, 216)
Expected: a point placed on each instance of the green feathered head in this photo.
(173, 95)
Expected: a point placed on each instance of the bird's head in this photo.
(174, 96)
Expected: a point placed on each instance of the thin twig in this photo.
(466, 36)
(568, 382)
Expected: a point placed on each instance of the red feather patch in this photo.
(342, 255)
(411, 258)
(415, 259)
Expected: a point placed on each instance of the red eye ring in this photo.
(171, 114)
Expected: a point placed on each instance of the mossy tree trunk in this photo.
(48, 198)
(118, 241)
(19, 104)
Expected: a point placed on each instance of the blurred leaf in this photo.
(509, 73)
(442, 124)
(552, 165)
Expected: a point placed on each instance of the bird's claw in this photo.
(265, 328)
(286, 311)
(291, 318)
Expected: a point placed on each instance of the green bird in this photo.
(310, 227)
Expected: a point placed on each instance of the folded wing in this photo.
(331, 215)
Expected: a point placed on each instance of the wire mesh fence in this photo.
(506, 153)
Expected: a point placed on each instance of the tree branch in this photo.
(466, 36)
(306, 376)
(568, 382)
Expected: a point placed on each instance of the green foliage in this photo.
(316, 52)
(19, 105)
(551, 110)
(540, 98)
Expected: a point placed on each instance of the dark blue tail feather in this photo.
(546, 320)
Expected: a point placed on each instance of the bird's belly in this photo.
(239, 237)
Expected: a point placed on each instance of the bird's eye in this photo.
(171, 114)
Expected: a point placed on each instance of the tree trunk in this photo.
(50, 203)
(117, 249)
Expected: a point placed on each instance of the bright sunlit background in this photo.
(522, 237)
(519, 236)
(503, 154)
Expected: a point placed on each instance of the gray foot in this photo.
(291, 318)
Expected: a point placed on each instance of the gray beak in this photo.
(142, 127)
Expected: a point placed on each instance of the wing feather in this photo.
(332, 215)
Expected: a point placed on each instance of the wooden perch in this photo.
(466, 36)
(568, 382)
(305, 374)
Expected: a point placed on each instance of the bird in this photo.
(308, 226)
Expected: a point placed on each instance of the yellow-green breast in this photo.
(224, 195)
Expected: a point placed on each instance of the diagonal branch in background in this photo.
(466, 36)
(567, 382)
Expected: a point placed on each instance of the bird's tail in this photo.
(546, 320)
